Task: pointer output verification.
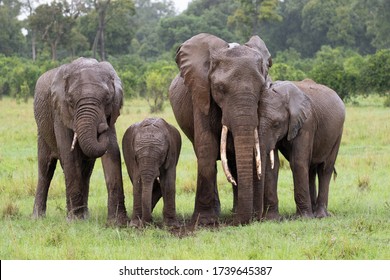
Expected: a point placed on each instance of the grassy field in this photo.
(359, 202)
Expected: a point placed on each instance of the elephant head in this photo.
(87, 96)
(228, 78)
(283, 111)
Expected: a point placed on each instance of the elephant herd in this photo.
(224, 101)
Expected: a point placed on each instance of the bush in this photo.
(282, 71)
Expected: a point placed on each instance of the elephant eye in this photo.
(276, 124)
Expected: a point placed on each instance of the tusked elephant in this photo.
(75, 107)
(304, 121)
(215, 99)
(151, 150)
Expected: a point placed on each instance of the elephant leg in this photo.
(74, 187)
(300, 166)
(271, 201)
(207, 204)
(301, 190)
(325, 172)
(313, 187)
(46, 167)
(87, 168)
(111, 161)
(324, 177)
(136, 218)
(72, 165)
(169, 196)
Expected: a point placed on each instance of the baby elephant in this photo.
(151, 150)
(304, 121)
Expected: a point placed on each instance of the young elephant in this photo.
(76, 106)
(304, 121)
(151, 150)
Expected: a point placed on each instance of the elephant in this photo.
(76, 106)
(304, 121)
(151, 150)
(215, 100)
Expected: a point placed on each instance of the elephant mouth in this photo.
(224, 161)
(102, 128)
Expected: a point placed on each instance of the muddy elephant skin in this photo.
(304, 121)
(151, 150)
(75, 107)
(217, 94)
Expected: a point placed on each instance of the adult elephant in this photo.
(75, 107)
(304, 121)
(215, 99)
(151, 149)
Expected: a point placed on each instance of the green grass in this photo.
(359, 202)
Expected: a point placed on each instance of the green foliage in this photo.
(11, 37)
(158, 78)
(18, 77)
(282, 71)
(375, 75)
(53, 24)
(249, 15)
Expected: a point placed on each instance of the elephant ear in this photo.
(61, 101)
(118, 92)
(299, 107)
(174, 146)
(256, 43)
(193, 59)
(128, 151)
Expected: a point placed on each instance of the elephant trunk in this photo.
(148, 174)
(244, 142)
(90, 130)
(147, 188)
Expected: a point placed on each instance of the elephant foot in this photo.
(204, 219)
(38, 214)
(118, 221)
(136, 223)
(272, 216)
(321, 212)
(78, 214)
(305, 214)
(242, 219)
(172, 223)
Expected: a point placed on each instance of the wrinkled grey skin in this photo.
(82, 97)
(220, 84)
(151, 149)
(304, 121)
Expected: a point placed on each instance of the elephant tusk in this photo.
(272, 158)
(223, 156)
(158, 179)
(73, 142)
(257, 154)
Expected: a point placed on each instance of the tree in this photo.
(106, 11)
(250, 14)
(377, 19)
(53, 24)
(11, 37)
(147, 42)
(158, 79)
(375, 75)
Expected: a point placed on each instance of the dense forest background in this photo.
(344, 44)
